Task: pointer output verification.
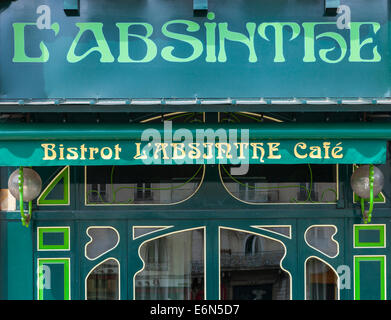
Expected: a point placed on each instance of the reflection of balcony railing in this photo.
(259, 260)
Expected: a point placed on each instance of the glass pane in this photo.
(250, 267)
(174, 267)
(102, 240)
(283, 183)
(157, 184)
(320, 238)
(103, 282)
(321, 281)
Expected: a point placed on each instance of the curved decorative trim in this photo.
(282, 203)
(162, 236)
(159, 228)
(99, 227)
(332, 238)
(262, 227)
(330, 266)
(119, 277)
(138, 204)
(260, 235)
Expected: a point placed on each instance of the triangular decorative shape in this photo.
(63, 176)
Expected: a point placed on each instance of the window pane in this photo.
(174, 268)
(103, 282)
(157, 184)
(321, 238)
(321, 281)
(102, 241)
(283, 183)
(250, 267)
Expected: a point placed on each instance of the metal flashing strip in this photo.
(195, 101)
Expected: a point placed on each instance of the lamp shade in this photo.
(32, 184)
(360, 181)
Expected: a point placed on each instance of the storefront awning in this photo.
(164, 143)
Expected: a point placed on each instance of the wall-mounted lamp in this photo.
(25, 185)
(367, 182)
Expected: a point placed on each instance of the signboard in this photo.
(122, 152)
(160, 49)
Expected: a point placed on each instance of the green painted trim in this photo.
(133, 132)
(380, 244)
(357, 288)
(63, 247)
(63, 174)
(66, 263)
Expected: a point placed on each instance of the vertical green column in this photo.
(19, 261)
(212, 262)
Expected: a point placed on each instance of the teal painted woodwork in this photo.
(242, 49)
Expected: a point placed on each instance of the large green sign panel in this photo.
(122, 152)
(161, 49)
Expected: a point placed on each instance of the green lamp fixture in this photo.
(367, 182)
(25, 185)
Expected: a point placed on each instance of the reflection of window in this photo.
(321, 239)
(255, 273)
(321, 281)
(313, 183)
(157, 184)
(173, 267)
(103, 281)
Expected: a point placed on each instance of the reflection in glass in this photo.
(141, 184)
(102, 241)
(321, 281)
(320, 238)
(250, 267)
(174, 267)
(103, 282)
(283, 183)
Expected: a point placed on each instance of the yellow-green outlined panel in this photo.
(54, 279)
(369, 277)
(369, 236)
(64, 177)
(53, 238)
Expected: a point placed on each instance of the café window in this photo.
(290, 184)
(129, 185)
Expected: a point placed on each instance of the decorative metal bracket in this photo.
(367, 214)
(331, 7)
(25, 218)
(200, 7)
(72, 7)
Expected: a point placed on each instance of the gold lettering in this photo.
(73, 154)
(196, 153)
(241, 151)
(178, 147)
(326, 147)
(117, 150)
(316, 152)
(273, 147)
(336, 150)
(49, 147)
(220, 150)
(258, 146)
(209, 152)
(92, 152)
(106, 156)
(138, 152)
(83, 151)
(160, 147)
(61, 149)
(303, 146)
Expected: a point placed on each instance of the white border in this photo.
(260, 235)
(99, 227)
(55, 227)
(159, 228)
(332, 238)
(119, 277)
(69, 189)
(162, 236)
(370, 247)
(69, 278)
(354, 272)
(262, 227)
(329, 265)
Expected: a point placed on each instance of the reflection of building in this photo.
(82, 99)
